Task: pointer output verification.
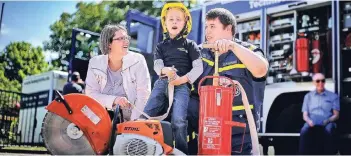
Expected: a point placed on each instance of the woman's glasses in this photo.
(123, 38)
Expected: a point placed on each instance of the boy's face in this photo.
(215, 30)
(175, 21)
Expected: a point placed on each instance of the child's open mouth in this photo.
(174, 27)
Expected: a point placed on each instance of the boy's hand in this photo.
(179, 80)
(168, 71)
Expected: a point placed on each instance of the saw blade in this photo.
(61, 137)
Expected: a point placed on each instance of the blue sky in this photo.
(30, 21)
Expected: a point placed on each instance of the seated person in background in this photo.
(73, 86)
(320, 108)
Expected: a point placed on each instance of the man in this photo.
(238, 61)
(73, 86)
(320, 109)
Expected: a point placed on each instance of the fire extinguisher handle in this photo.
(218, 77)
(236, 124)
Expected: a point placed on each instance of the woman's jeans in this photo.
(157, 102)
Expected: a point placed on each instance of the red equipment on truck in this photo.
(215, 120)
(316, 54)
(302, 54)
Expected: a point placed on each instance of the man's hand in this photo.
(122, 101)
(310, 123)
(224, 82)
(223, 45)
(179, 80)
(168, 71)
(326, 122)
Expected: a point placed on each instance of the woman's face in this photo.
(120, 42)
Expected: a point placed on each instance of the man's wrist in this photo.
(232, 47)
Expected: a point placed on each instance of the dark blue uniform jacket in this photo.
(231, 67)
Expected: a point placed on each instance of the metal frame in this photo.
(336, 45)
(75, 31)
(134, 15)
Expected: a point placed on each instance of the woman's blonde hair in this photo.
(106, 36)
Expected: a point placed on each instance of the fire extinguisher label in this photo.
(212, 133)
(316, 54)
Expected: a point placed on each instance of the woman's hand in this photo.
(179, 80)
(122, 101)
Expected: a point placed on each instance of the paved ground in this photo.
(42, 153)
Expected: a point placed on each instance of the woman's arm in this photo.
(143, 87)
(92, 89)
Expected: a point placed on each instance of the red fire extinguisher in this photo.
(215, 117)
(316, 54)
(302, 54)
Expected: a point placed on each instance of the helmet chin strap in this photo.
(181, 33)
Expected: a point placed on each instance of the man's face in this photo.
(175, 21)
(215, 30)
(319, 82)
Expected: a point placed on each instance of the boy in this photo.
(183, 54)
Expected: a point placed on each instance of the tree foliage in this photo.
(93, 16)
(19, 60)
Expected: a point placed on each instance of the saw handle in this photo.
(116, 120)
(61, 99)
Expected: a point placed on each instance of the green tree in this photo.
(93, 16)
(19, 60)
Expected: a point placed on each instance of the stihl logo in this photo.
(131, 128)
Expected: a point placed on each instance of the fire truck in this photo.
(299, 38)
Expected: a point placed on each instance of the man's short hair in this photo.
(314, 77)
(75, 76)
(224, 16)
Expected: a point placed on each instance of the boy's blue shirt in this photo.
(179, 53)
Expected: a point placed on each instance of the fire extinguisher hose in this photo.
(170, 100)
(251, 121)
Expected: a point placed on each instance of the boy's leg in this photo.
(179, 117)
(157, 99)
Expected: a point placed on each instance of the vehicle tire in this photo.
(288, 121)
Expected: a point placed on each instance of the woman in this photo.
(118, 77)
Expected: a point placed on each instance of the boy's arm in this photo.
(158, 60)
(194, 54)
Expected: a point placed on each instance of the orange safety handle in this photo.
(207, 77)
